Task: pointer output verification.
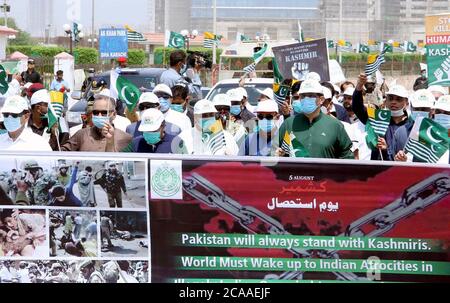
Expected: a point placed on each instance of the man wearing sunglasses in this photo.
(165, 96)
(263, 142)
(103, 136)
(207, 137)
(312, 133)
(19, 136)
(150, 101)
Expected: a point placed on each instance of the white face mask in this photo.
(398, 113)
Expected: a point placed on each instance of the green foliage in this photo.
(136, 57)
(22, 38)
(161, 51)
(86, 55)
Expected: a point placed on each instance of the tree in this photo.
(22, 38)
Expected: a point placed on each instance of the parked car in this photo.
(252, 86)
(144, 78)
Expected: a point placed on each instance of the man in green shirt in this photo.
(310, 133)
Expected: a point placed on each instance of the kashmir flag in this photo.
(428, 141)
(409, 47)
(301, 36)
(174, 40)
(209, 39)
(4, 86)
(362, 48)
(377, 125)
(257, 57)
(374, 61)
(55, 108)
(292, 147)
(134, 36)
(215, 140)
(125, 90)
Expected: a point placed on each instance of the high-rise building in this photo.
(40, 17)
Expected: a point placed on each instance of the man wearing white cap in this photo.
(347, 104)
(150, 101)
(397, 103)
(241, 109)
(154, 139)
(310, 132)
(441, 113)
(222, 103)
(19, 136)
(164, 93)
(263, 142)
(103, 136)
(207, 137)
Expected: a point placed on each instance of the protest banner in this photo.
(113, 43)
(438, 49)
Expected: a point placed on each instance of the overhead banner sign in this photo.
(303, 223)
(296, 61)
(113, 43)
(438, 49)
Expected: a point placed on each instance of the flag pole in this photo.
(57, 136)
(214, 30)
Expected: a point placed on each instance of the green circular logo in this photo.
(166, 182)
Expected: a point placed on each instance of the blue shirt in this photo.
(139, 145)
(170, 77)
(56, 85)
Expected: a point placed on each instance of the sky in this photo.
(108, 13)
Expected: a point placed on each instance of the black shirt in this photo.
(33, 77)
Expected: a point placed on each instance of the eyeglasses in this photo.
(163, 95)
(267, 117)
(100, 112)
(7, 115)
(296, 98)
(145, 106)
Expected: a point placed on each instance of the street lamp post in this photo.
(6, 9)
(73, 34)
(189, 36)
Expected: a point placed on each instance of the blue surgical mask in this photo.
(266, 125)
(207, 123)
(12, 124)
(419, 114)
(297, 105)
(308, 105)
(165, 104)
(152, 137)
(100, 121)
(235, 110)
(177, 107)
(443, 120)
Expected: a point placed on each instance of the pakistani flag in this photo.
(134, 36)
(409, 47)
(301, 36)
(428, 141)
(174, 40)
(363, 48)
(280, 91)
(292, 147)
(257, 57)
(387, 48)
(331, 44)
(125, 90)
(241, 38)
(377, 125)
(3, 80)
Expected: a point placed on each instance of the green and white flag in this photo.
(257, 57)
(241, 38)
(362, 48)
(428, 141)
(125, 90)
(134, 36)
(377, 126)
(3, 81)
(301, 36)
(174, 40)
(409, 47)
(331, 44)
(291, 146)
(280, 91)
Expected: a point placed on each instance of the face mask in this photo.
(177, 107)
(265, 125)
(419, 114)
(443, 120)
(3, 131)
(152, 138)
(12, 124)
(297, 106)
(235, 110)
(100, 121)
(309, 105)
(397, 113)
(165, 104)
(207, 123)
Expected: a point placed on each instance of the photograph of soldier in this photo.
(71, 234)
(124, 233)
(83, 271)
(23, 233)
(72, 183)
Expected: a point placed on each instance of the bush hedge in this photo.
(161, 51)
(136, 57)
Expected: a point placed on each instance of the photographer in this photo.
(195, 63)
